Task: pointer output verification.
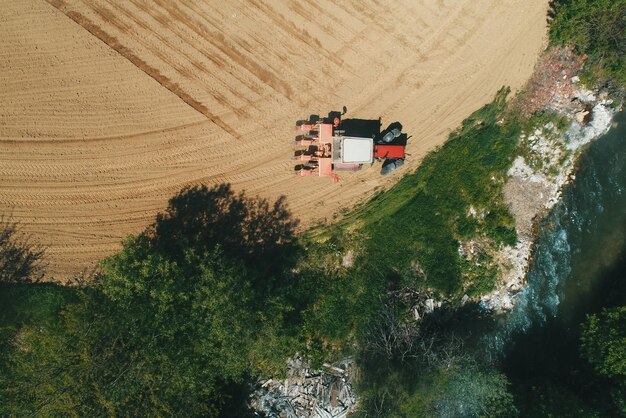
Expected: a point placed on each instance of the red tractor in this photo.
(326, 145)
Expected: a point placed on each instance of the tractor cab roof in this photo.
(353, 150)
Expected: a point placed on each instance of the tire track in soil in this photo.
(114, 44)
(198, 65)
(218, 40)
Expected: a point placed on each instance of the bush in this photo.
(596, 28)
(603, 342)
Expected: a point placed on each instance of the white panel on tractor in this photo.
(357, 150)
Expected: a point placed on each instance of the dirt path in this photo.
(109, 107)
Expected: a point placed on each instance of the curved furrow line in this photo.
(199, 66)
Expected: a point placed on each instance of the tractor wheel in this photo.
(391, 164)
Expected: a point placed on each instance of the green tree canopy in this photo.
(176, 323)
(596, 28)
(603, 341)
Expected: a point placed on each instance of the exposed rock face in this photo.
(580, 116)
(580, 133)
(307, 393)
(525, 199)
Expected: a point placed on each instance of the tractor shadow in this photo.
(371, 128)
(363, 128)
(400, 140)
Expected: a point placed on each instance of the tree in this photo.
(463, 390)
(153, 337)
(603, 341)
(603, 344)
(427, 372)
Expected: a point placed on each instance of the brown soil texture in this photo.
(109, 107)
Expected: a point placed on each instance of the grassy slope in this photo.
(420, 220)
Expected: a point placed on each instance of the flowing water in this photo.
(579, 267)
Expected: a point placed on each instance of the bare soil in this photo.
(109, 107)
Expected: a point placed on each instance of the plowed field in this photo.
(109, 107)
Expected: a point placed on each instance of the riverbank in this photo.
(547, 163)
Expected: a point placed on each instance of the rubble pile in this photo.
(553, 82)
(307, 393)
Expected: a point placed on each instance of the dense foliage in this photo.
(596, 28)
(603, 341)
(165, 331)
(432, 374)
(25, 307)
(603, 344)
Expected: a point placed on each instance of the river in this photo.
(579, 267)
